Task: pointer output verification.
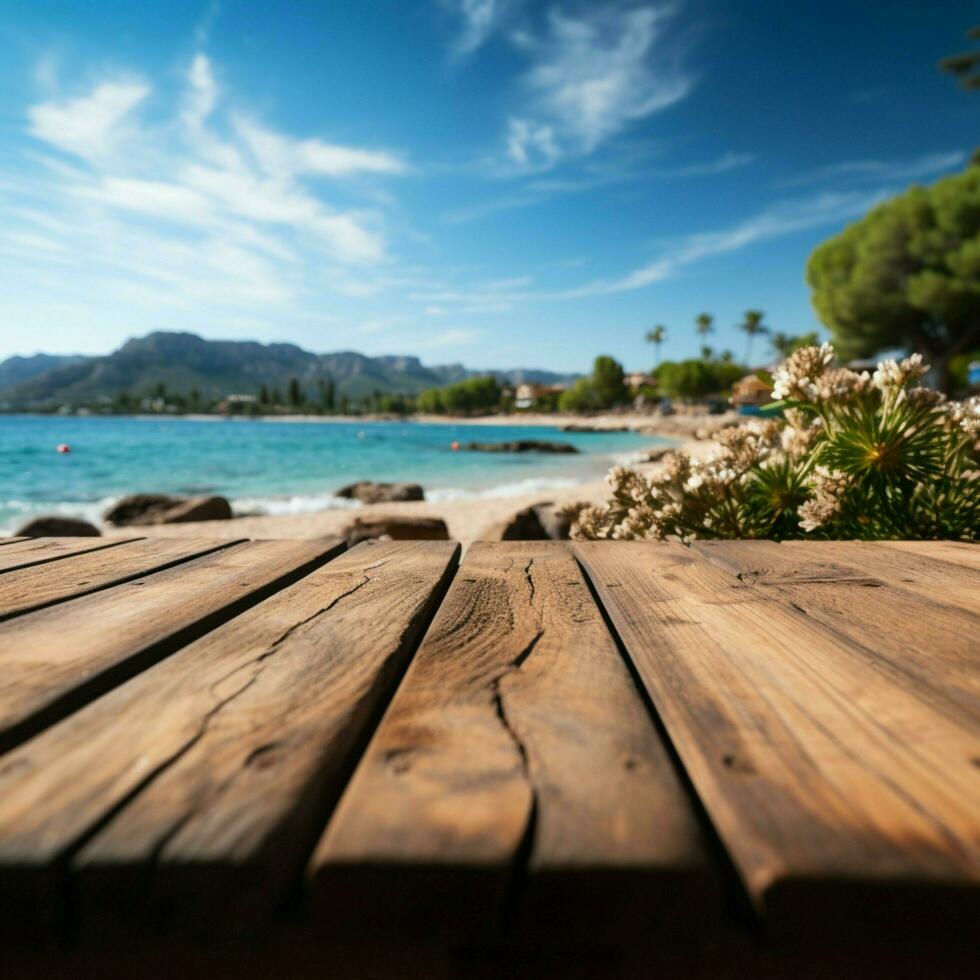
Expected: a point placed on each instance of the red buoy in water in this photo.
(454, 446)
(63, 447)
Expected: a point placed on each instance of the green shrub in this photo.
(852, 456)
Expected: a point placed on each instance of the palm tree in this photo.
(752, 325)
(656, 337)
(703, 324)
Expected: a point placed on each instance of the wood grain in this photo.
(56, 659)
(933, 654)
(43, 585)
(198, 789)
(942, 582)
(847, 802)
(22, 552)
(517, 747)
(4, 541)
(956, 552)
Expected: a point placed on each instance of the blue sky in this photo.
(498, 182)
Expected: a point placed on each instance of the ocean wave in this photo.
(294, 504)
(14, 513)
(516, 489)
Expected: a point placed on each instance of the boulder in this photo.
(54, 526)
(198, 509)
(656, 454)
(396, 528)
(539, 522)
(369, 492)
(158, 508)
(582, 427)
(521, 446)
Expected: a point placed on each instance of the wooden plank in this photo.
(957, 552)
(938, 581)
(219, 766)
(4, 541)
(43, 585)
(847, 803)
(56, 659)
(34, 551)
(516, 747)
(933, 653)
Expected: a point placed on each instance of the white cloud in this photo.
(202, 92)
(478, 20)
(281, 156)
(856, 171)
(90, 125)
(530, 143)
(776, 221)
(593, 73)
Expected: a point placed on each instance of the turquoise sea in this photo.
(272, 467)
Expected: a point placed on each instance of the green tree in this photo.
(263, 395)
(604, 388)
(965, 68)
(752, 326)
(294, 394)
(694, 379)
(906, 275)
(325, 387)
(462, 398)
(607, 379)
(784, 344)
(704, 324)
(656, 336)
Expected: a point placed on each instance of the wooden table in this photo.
(604, 759)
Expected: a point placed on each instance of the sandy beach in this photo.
(468, 519)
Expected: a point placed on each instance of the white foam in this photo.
(294, 504)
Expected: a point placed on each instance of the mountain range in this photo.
(216, 368)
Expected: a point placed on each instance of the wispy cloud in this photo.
(208, 209)
(775, 221)
(88, 126)
(477, 21)
(594, 71)
(878, 171)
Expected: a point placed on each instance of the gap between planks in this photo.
(188, 798)
(58, 658)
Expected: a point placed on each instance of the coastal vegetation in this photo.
(846, 455)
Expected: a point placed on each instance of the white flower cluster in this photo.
(829, 488)
(965, 416)
(808, 375)
(892, 374)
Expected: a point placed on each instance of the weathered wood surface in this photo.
(516, 748)
(58, 658)
(837, 792)
(792, 723)
(21, 552)
(4, 541)
(223, 760)
(920, 642)
(40, 585)
(957, 552)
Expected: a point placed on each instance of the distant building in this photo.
(750, 394)
(525, 395)
(638, 379)
(237, 403)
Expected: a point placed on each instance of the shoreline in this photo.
(470, 513)
(680, 425)
(468, 519)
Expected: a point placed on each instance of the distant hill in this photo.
(16, 370)
(216, 368)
